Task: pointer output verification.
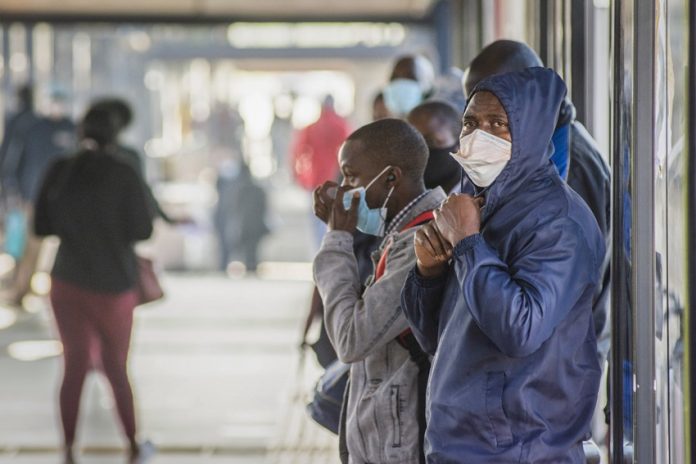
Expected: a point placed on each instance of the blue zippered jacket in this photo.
(515, 374)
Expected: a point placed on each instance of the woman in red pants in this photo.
(97, 206)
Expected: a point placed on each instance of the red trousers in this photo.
(94, 325)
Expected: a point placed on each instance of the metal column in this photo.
(643, 246)
(620, 263)
(690, 322)
(580, 63)
(442, 26)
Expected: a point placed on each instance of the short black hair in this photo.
(443, 112)
(499, 57)
(394, 142)
(120, 109)
(100, 126)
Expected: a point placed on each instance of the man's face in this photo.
(404, 69)
(358, 170)
(436, 134)
(485, 112)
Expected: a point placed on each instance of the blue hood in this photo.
(532, 99)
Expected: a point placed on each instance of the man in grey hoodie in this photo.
(382, 194)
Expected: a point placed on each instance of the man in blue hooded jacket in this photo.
(502, 291)
(576, 157)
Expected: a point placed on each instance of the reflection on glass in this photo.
(622, 319)
(660, 134)
(676, 61)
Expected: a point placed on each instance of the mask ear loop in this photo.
(382, 213)
(391, 190)
(382, 210)
(377, 177)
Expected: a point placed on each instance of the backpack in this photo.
(327, 402)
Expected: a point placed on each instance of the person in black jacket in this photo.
(96, 204)
(576, 157)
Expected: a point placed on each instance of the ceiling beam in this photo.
(72, 18)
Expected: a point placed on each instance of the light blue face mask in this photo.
(401, 96)
(371, 221)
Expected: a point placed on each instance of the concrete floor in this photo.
(216, 373)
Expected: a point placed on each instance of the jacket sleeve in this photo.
(358, 323)
(518, 305)
(420, 300)
(137, 211)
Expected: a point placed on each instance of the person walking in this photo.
(96, 204)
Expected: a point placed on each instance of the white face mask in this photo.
(483, 156)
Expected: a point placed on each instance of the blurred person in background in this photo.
(32, 150)
(240, 215)
(281, 132)
(225, 127)
(440, 125)
(448, 88)
(15, 132)
(122, 116)
(410, 83)
(96, 204)
(17, 125)
(315, 154)
(379, 109)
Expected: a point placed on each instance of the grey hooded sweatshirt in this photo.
(382, 424)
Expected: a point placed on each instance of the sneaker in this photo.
(146, 450)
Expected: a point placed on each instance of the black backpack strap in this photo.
(422, 360)
(342, 443)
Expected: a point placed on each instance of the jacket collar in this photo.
(429, 200)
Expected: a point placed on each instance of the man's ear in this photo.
(394, 176)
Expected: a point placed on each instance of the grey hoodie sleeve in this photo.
(358, 323)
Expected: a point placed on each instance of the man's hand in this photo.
(323, 200)
(432, 251)
(341, 218)
(459, 217)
